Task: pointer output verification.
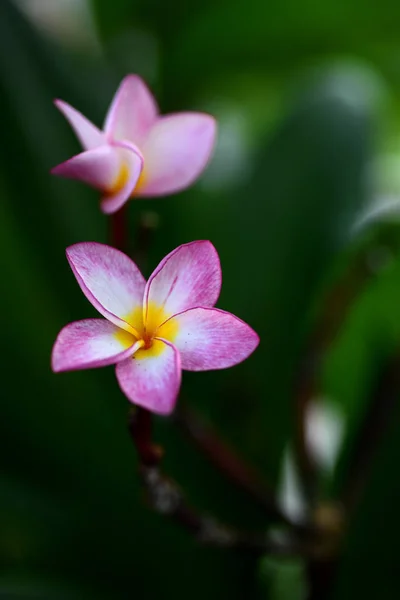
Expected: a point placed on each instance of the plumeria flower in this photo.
(139, 152)
(152, 330)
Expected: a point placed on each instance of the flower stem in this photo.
(141, 425)
(119, 229)
(140, 429)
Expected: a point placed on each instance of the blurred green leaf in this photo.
(369, 336)
(278, 236)
(283, 579)
(70, 501)
(25, 586)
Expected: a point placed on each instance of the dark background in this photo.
(307, 99)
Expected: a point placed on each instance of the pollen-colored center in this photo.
(140, 183)
(121, 180)
(146, 326)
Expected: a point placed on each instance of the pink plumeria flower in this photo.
(152, 330)
(139, 152)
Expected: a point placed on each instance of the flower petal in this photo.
(209, 338)
(109, 279)
(187, 277)
(152, 377)
(132, 112)
(130, 168)
(176, 152)
(88, 134)
(91, 343)
(98, 168)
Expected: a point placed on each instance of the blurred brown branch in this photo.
(219, 453)
(165, 497)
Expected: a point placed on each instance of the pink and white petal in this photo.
(109, 279)
(187, 277)
(152, 378)
(133, 111)
(176, 152)
(88, 134)
(130, 168)
(90, 343)
(209, 338)
(98, 168)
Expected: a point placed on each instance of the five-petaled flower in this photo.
(139, 152)
(153, 329)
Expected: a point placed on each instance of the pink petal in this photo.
(113, 169)
(152, 377)
(98, 167)
(131, 161)
(88, 134)
(209, 338)
(90, 343)
(187, 277)
(176, 152)
(132, 112)
(109, 279)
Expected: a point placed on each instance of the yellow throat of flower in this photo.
(144, 328)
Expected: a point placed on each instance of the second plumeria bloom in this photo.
(152, 330)
(139, 152)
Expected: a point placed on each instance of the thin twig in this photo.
(166, 498)
(230, 464)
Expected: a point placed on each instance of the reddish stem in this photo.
(140, 429)
(118, 229)
(140, 421)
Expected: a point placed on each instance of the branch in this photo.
(166, 498)
(231, 465)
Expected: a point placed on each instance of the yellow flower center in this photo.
(120, 181)
(140, 183)
(145, 327)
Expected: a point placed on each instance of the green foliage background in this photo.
(307, 96)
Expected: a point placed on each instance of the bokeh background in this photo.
(304, 184)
